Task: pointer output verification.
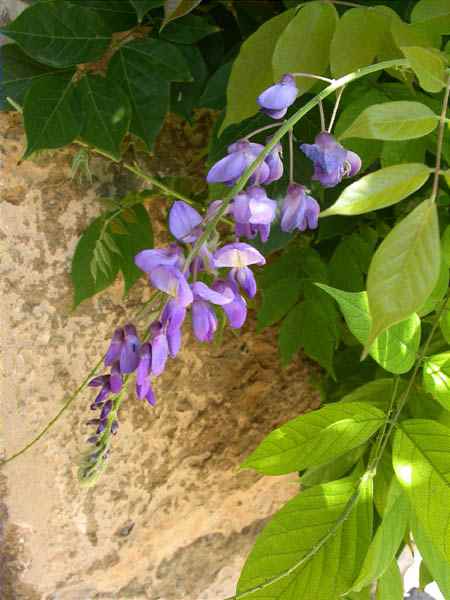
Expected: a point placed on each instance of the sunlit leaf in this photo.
(380, 189)
(378, 393)
(429, 66)
(314, 24)
(390, 584)
(404, 269)
(408, 151)
(434, 14)
(436, 377)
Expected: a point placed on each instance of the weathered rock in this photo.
(173, 517)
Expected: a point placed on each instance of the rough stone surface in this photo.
(173, 517)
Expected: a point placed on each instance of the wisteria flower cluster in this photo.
(218, 277)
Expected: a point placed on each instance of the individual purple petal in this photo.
(98, 381)
(201, 290)
(102, 395)
(353, 164)
(147, 260)
(275, 164)
(174, 342)
(114, 427)
(160, 353)
(235, 311)
(173, 316)
(244, 145)
(245, 230)
(115, 379)
(264, 232)
(238, 254)
(142, 388)
(262, 208)
(245, 278)
(144, 366)
(228, 169)
(150, 396)
(115, 347)
(106, 410)
(172, 282)
(276, 99)
(240, 208)
(299, 211)
(129, 357)
(213, 208)
(184, 221)
(204, 321)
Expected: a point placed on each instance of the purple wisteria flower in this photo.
(172, 256)
(253, 213)
(172, 282)
(331, 161)
(299, 211)
(204, 319)
(240, 155)
(236, 310)
(238, 255)
(185, 222)
(274, 160)
(245, 278)
(124, 349)
(172, 317)
(275, 101)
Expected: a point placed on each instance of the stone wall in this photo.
(173, 517)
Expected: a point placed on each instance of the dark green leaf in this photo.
(215, 93)
(300, 534)
(185, 96)
(314, 24)
(251, 72)
(277, 300)
(118, 15)
(106, 114)
(337, 469)
(289, 337)
(19, 71)
(350, 262)
(59, 34)
(404, 269)
(143, 6)
(315, 438)
(410, 151)
(174, 9)
(51, 114)
(188, 30)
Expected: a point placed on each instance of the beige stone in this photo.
(172, 518)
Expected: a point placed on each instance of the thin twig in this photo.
(322, 116)
(260, 129)
(291, 156)
(312, 76)
(335, 108)
(440, 140)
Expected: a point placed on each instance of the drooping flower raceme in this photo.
(275, 101)
(331, 161)
(299, 211)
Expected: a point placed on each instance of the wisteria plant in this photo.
(327, 191)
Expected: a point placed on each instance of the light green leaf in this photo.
(388, 537)
(444, 323)
(414, 34)
(251, 72)
(51, 115)
(446, 245)
(382, 482)
(379, 189)
(377, 393)
(404, 269)
(314, 24)
(358, 38)
(396, 348)
(315, 438)
(437, 563)
(438, 293)
(421, 457)
(436, 378)
(435, 14)
(408, 151)
(143, 6)
(429, 66)
(390, 585)
(393, 121)
(174, 9)
(59, 34)
(307, 537)
(106, 114)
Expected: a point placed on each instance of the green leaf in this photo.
(19, 73)
(350, 261)
(425, 577)
(393, 121)
(106, 114)
(51, 115)
(404, 269)
(421, 456)
(143, 6)
(396, 348)
(429, 66)
(140, 237)
(436, 378)
(86, 282)
(390, 585)
(438, 293)
(289, 336)
(309, 538)
(358, 37)
(215, 93)
(277, 300)
(315, 438)
(337, 469)
(314, 24)
(59, 34)
(444, 323)
(410, 151)
(174, 9)
(143, 68)
(446, 245)
(377, 393)
(388, 537)
(118, 15)
(414, 34)
(251, 72)
(188, 30)
(185, 96)
(379, 189)
(434, 14)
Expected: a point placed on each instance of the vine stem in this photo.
(312, 76)
(238, 186)
(291, 156)
(335, 109)
(261, 129)
(440, 140)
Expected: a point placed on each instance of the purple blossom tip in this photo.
(275, 100)
(184, 222)
(299, 211)
(238, 255)
(241, 155)
(147, 260)
(172, 281)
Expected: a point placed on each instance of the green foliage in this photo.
(174, 9)
(108, 246)
(379, 189)
(429, 66)
(314, 25)
(142, 7)
(436, 378)
(315, 438)
(404, 269)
